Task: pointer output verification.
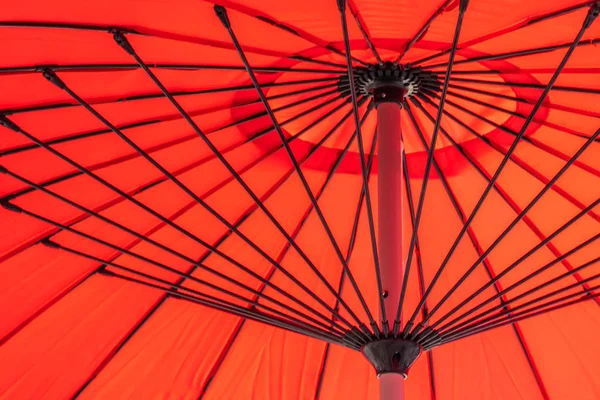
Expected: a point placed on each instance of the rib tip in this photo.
(222, 14)
(7, 123)
(51, 76)
(49, 243)
(10, 207)
(122, 41)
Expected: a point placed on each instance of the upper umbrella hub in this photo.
(389, 82)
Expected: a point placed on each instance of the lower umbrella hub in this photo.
(389, 82)
(391, 356)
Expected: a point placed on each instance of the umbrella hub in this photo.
(390, 82)
(391, 356)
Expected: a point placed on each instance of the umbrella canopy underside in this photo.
(167, 232)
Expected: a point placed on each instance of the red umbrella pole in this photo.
(389, 164)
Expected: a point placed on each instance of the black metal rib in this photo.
(365, 177)
(243, 312)
(544, 240)
(411, 208)
(329, 177)
(86, 135)
(422, 31)
(411, 247)
(197, 293)
(341, 104)
(522, 164)
(188, 93)
(539, 19)
(159, 245)
(543, 308)
(11, 125)
(449, 192)
(148, 315)
(339, 53)
(591, 16)
(294, 31)
(159, 147)
(503, 193)
(222, 14)
(559, 88)
(180, 93)
(348, 256)
(123, 42)
(365, 33)
(524, 100)
(421, 276)
(448, 329)
(475, 242)
(181, 140)
(555, 292)
(182, 170)
(129, 246)
(351, 244)
(534, 142)
(452, 197)
(354, 231)
(321, 373)
(519, 53)
(520, 260)
(303, 35)
(539, 145)
(517, 161)
(519, 217)
(54, 79)
(268, 277)
(164, 35)
(517, 70)
(497, 95)
(72, 222)
(528, 277)
(179, 67)
(48, 242)
(551, 306)
(322, 62)
(217, 365)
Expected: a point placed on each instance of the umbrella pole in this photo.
(389, 180)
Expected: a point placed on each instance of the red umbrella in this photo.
(236, 200)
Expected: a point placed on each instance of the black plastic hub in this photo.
(391, 356)
(389, 82)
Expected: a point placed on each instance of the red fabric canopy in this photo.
(72, 324)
